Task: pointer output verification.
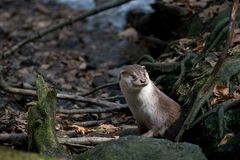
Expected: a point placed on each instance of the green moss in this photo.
(10, 154)
(41, 118)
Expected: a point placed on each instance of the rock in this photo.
(116, 17)
(130, 34)
(141, 148)
(113, 53)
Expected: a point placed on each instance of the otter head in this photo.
(133, 77)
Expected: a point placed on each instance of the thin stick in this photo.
(100, 87)
(84, 140)
(71, 97)
(67, 22)
(98, 110)
(210, 81)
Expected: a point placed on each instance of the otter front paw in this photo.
(149, 133)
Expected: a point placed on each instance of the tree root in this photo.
(205, 91)
(220, 109)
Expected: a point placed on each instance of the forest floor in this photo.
(73, 59)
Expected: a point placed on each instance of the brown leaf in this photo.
(199, 47)
(221, 94)
(226, 139)
(77, 128)
(108, 128)
(220, 91)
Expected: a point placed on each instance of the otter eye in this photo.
(133, 76)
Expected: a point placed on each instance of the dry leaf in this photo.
(236, 38)
(226, 138)
(220, 90)
(77, 128)
(236, 93)
(108, 128)
(200, 46)
(210, 61)
(221, 94)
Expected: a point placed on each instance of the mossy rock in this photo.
(141, 148)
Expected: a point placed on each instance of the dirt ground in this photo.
(73, 59)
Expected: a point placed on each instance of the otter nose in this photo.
(142, 80)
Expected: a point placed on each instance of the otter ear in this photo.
(120, 74)
(143, 67)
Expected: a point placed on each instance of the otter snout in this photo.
(143, 81)
(140, 82)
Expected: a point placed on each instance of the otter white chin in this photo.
(156, 114)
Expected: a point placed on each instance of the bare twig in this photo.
(71, 97)
(113, 97)
(100, 87)
(90, 123)
(67, 22)
(210, 81)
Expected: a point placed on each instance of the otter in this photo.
(156, 114)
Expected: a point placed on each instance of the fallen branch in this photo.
(79, 145)
(85, 140)
(67, 22)
(98, 110)
(16, 139)
(71, 97)
(200, 100)
(19, 138)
